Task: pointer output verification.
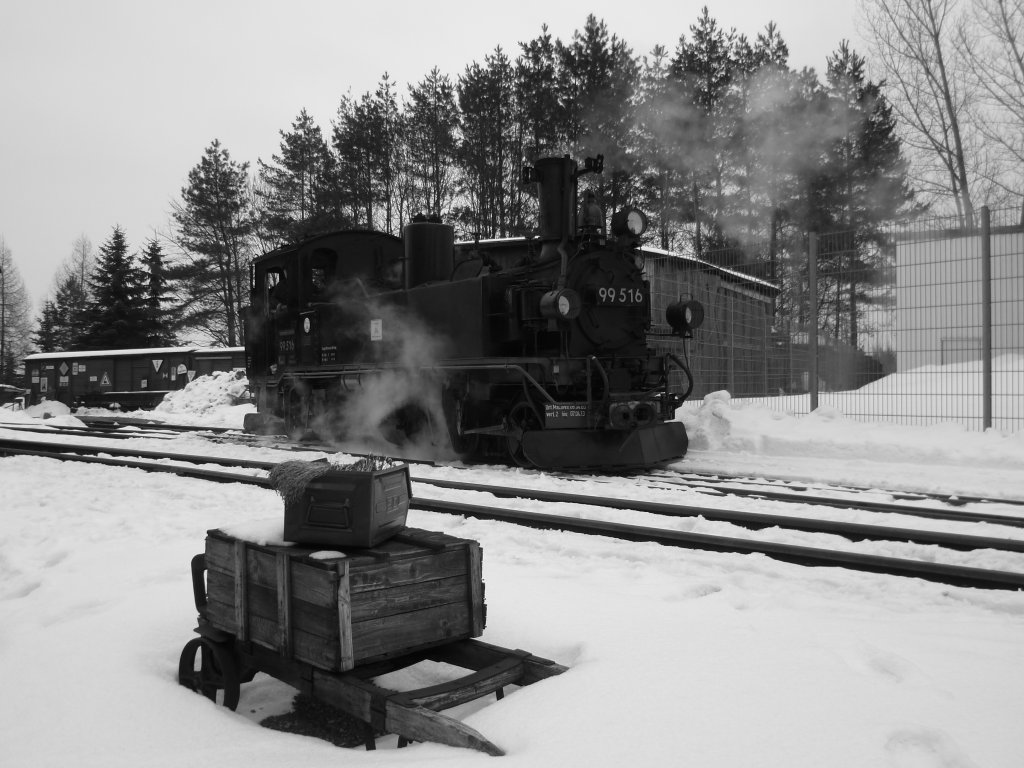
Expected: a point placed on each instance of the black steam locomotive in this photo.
(532, 351)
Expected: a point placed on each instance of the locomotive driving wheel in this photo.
(296, 411)
(454, 406)
(206, 667)
(522, 418)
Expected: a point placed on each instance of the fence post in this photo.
(812, 320)
(986, 318)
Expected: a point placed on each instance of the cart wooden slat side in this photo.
(418, 589)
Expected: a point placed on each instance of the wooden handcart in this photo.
(328, 623)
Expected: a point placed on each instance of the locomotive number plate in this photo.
(565, 415)
(620, 296)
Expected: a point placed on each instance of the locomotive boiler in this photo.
(534, 352)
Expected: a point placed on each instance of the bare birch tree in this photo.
(15, 320)
(914, 42)
(991, 43)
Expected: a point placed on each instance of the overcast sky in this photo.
(106, 105)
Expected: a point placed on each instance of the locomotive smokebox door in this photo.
(342, 507)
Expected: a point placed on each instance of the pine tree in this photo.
(866, 173)
(69, 298)
(152, 259)
(46, 335)
(433, 122)
(705, 69)
(118, 314)
(542, 115)
(389, 156)
(657, 133)
(860, 187)
(355, 141)
(597, 81)
(71, 301)
(214, 224)
(486, 100)
(301, 185)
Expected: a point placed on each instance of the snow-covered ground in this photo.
(676, 657)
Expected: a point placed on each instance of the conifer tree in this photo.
(355, 141)
(152, 258)
(389, 155)
(705, 68)
(210, 278)
(300, 185)
(542, 114)
(433, 121)
(71, 302)
(118, 314)
(46, 335)
(861, 186)
(70, 298)
(864, 166)
(597, 85)
(486, 100)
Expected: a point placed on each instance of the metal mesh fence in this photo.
(921, 325)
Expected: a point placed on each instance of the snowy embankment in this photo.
(675, 656)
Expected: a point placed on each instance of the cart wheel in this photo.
(206, 667)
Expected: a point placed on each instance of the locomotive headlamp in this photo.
(630, 222)
(684, 316)
(561, 304)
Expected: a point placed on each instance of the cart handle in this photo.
(199, 582)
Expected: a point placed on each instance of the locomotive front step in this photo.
(587, 449)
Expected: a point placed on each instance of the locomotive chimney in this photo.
(556, 193)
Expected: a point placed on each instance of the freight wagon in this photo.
(130, 378)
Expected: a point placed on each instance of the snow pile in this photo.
(50, 413)
(215, 400)
(746, 437)
(47, 409)
(724, 424)
(205, 394)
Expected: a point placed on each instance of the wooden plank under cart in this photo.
(328, 624)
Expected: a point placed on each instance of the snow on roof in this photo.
(725, 271)
(129, 352)
(734, 273)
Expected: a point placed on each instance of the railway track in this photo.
(757, 487)
(254, 472)
(945, 507)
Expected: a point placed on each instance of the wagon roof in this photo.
(128, 352)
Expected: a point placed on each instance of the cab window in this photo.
(321, 273)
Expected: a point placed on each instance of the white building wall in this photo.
(939, 299)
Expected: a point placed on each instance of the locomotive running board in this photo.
(583, 449)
